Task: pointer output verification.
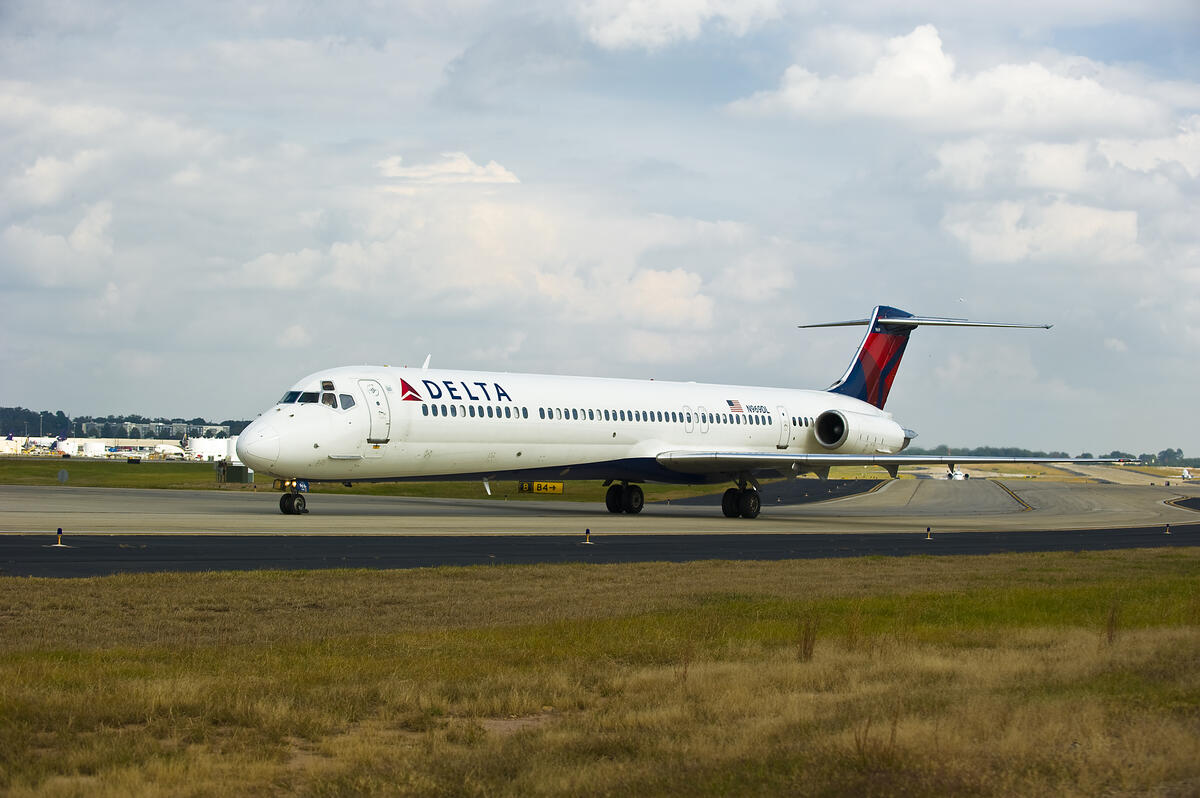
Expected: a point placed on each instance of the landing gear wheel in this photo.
(730, 503)
(612, 499)
(749, 504)
(287, 503)
(299, 508)
(632, 499)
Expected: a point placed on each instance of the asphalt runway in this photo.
(115, 530)
(97, 555)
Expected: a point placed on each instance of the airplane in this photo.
(382, 424)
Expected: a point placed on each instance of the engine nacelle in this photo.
(850, 432)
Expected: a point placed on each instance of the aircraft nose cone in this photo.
(258, 446)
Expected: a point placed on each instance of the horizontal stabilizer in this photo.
(870, 374)
(925, 321)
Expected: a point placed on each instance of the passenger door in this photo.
(785, 428)
(379, 409)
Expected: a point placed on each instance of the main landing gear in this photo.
(292, 504)
(741, 501)
(624, 498)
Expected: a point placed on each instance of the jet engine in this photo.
(859, 432)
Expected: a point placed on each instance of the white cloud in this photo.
(293, 270)
(35, 257)
(90, 236)
(50, 178)
(1148, 154)
(967, 165)
(652, 24)
(1006, 372)
(1005, 232)
(455, 167)
(294, 336)
(760, 275)
(916, 83)
(1116, 345)
(1057, 167)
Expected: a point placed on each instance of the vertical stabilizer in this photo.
(870, 374)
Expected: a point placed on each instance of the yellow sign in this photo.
(541, 487)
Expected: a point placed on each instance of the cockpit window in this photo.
(347, 400)
(327, 385)
(309, 397)
(289, 397)
(329, 399)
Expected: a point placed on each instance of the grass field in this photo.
(201, 476)
(1050, 674)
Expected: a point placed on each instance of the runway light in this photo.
(587, 537)
(1168, 529)
(928, 533)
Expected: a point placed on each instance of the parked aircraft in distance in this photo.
(380, 424)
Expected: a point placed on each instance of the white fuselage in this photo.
(443, 424)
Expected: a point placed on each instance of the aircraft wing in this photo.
(786, 463)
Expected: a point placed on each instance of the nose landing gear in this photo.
(292, 504)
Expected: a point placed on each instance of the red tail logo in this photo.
(409, 393)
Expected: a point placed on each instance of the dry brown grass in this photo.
(1064, 674)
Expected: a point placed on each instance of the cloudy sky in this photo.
(202, 202)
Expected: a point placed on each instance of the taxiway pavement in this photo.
(118, 530)
(904, 505)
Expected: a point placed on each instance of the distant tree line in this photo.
(1167, 457)
(21, 421)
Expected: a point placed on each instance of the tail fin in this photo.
(869, 376)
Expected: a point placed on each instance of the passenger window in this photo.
(524, 412)
(508, 412)
(329, 399)
(541, 412)
(424, 410)
(444, 410)
(489, 411)
(574, 415)
(347, 400)
(434, 409)
(309, 398)
(591, 416)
